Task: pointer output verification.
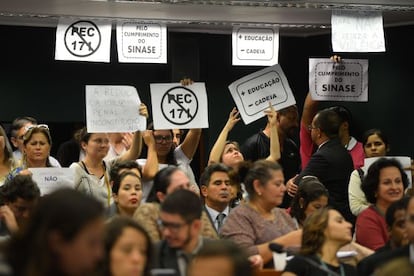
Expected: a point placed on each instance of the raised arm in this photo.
(190, 143)
(150, 168)
(135, 150)
(218, 148)
(274, 136)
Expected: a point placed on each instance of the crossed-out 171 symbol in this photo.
(179, 105)
(82, 38)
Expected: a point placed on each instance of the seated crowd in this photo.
(134, 213)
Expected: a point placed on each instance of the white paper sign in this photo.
(177, 106)
(357, 31)
(51, 179)
(112, 108)
(141, 42)
(344, 81)
(404, 160)
(83, 40)
(255, 46)
(253, 93)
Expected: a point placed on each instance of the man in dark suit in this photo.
(368, 265)
(331, 163)
(180, 223)
(216, 190)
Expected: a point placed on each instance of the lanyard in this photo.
(341, 268)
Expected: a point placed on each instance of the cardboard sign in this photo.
(255, 46)
(253, 93)
(357, 31)
(177, 106)
(141, 42)
(344, 81)
(111, 108)
(83, 40)
(51, 179)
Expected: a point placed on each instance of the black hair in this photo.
(20, 186)
(309, 189)
(374, 131)
(113, 232)
(393, 208)
(123, 165)
(209, 170)
(259, 170)
(183, 202)
(328, 122)
(65, 212)
(161, 182)
(226, 249)
(20, 122)
(371, 180)
(116, 184)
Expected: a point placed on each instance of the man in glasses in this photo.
(331, 163)
(180, 224)
(18, 128)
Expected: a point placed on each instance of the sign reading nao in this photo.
(142, 42)
(343, 81)
(253, 93)
(83, 40)
(357, 31)
(177, 106)
(51, 179)
(112, 108)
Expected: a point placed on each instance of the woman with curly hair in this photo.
(324, 233)
(384, 184)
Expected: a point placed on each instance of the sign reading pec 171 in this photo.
(82, 38)
(179, 105)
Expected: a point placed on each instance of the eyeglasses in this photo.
(27, 128)
(159, 138)
(310, 127)
(173, 227)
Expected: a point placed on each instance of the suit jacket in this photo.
(368, 265)
(166, 257)
(333, 165)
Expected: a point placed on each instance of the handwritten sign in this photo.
(357, 31)
(51, 179)
(344, 81)
(111, 108)
(255, 46)
(83, 40)
(253, 93)
(404, 160)
(142, 42)
(177, 106)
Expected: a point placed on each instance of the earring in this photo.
(259, 193)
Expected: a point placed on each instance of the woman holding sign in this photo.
(37, 143)
(92, 173)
